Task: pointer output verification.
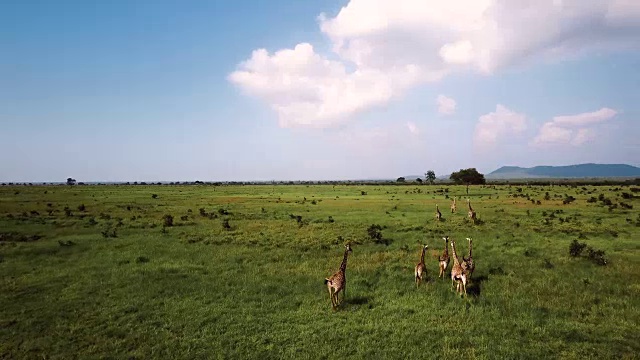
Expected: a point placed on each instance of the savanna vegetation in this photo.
(231, 271)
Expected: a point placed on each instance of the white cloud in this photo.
(570, 129)
(413, 128)
(382, 48)
(446, 105)
(492, 126)
(585, 118)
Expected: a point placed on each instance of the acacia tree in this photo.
(71, 181)
(468, 177)
(430, 176)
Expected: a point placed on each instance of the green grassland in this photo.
(243, 277)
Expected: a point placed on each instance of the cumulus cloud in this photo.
(446, 105)
(495, 125)
(383, 48)
(571, 129)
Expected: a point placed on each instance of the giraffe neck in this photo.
(470, 249)
(343, 265)
(455, 255)
(469, 203)
(446, 248)
(422, 255)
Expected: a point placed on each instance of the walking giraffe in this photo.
(443, 260)
(338, 281)
(458, 274)
(420, 267)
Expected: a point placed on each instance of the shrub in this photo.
(203, 212)
(67, 211)
(168, 220)
(184, 217)
(375, 233)
(81, 207)
(331, 219)
(596, 256)
(154, 196)
(225, 224)
(107, 233)
(576, 248)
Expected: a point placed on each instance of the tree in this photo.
(400, 179)
(71, 181)
(419, 180)
(468, 177)
(430, 176)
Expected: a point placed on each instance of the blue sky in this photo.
(172, 90)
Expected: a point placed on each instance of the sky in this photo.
(313, 90)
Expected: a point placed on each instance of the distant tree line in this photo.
(459, 177)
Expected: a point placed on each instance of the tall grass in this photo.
(239, 272)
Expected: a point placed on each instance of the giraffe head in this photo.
(348, 247)
(425, 246)
(469, 239)
(446, 239)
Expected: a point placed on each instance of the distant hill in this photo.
(570, 171)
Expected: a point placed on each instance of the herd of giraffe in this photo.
(461, 271)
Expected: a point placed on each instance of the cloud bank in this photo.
(383, 48)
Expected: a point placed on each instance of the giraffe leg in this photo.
(331, 296)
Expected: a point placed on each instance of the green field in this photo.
(243, 277)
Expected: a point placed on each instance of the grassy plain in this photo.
(199, 290)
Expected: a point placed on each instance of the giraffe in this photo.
(468, 265)
(438, 213)
(472, 214)
(443, 260)
(338, 281)
(457, 273)
(420, 267)
(453, 205)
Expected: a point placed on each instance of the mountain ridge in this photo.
(586, 170)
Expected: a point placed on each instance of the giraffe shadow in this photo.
(475, 287)
(356, 301)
